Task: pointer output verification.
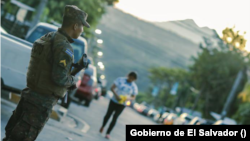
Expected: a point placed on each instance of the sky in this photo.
(215, 14)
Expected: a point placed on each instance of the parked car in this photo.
(132, 103)
(183, 119)
(104, 91)
(86, 86)
(15, 57)
(169, 120)
(141, 108)
(152, 113)
(98, 91)
(219, 122)
(156, 117)
(79, 45)
(195, 120)
(145, 111)
(136, 106)
(205, 122)
(224, 122)
(164, 115)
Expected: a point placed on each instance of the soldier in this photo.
(48, 77)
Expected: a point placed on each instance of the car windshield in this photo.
(79, 48)
(183, 115)
(91, 71)
(78, 45)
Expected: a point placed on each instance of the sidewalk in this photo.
(70, 127)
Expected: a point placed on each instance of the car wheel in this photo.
(87, 103)
(96, 97)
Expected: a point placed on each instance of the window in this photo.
(37, 33)
(77, 45)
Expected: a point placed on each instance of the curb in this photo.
(82, 125)
(57, 114)
(81, 128)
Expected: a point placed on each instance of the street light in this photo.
(99, 41)
(102, 67)
(98, 31)
(99, 53)
(102, 76)
(99, 63)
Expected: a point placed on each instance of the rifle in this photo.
(82, 63)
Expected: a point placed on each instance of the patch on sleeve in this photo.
(63, 62)
(69, 52)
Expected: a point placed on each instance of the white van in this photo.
(15, 57)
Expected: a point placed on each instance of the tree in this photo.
(111, 2)
(144, 97)
(215, 69)
(230, 36)
(245, 94)
(55, 8)
(164, 78)
(243, 113)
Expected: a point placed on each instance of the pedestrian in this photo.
(124, 89)
(48, 77)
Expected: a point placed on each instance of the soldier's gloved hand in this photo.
(73, 87)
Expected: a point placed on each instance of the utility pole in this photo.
(39, 13)
(177, 100)
(199, 93)
(232, 95)
(2, 6)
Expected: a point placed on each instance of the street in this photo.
(91, 119)
(94, 117)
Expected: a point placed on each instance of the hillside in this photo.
(190, 30)
(133, 44)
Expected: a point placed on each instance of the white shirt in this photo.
(123, 87)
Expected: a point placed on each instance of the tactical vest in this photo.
(39, 75)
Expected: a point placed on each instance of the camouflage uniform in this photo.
(48, 79)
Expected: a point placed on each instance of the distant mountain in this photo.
(190, 30)
(133, 44)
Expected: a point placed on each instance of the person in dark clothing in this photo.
(124, 89)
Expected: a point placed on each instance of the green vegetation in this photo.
(55, 8)
(212, 73)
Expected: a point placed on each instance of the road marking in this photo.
(85, 128)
